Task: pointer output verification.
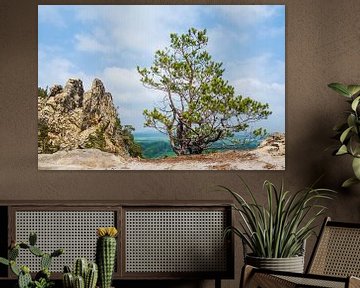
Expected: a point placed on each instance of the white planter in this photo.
(291, 264)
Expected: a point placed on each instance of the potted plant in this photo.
(348, 132)
(276, 233)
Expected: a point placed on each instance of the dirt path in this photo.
(93, 159)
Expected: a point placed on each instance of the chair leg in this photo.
(246, 274)
(354, 282)
(217, 283)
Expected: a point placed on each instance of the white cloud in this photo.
(51, 15)
(242, 15)
(270, 32)
(263, 66)
(261, 91)
(140, 29)
(126, 87)
(221, 39)
(90, 43)
(271, 93)
(53, 69)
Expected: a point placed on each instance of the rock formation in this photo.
(70, 118)
(274, 144)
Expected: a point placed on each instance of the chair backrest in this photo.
(337, 251)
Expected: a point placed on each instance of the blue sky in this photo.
(108, 42)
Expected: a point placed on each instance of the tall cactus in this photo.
(106, 254)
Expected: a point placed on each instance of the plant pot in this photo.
(291, 264)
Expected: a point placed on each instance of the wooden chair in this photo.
(334, 263)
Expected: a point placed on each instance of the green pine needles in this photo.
(280, 228)
(198, 106)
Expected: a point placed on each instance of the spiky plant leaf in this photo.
(280, 228)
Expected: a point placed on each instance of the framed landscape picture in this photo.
(161, 87)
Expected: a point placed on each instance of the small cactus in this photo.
(36, 251)
(68, 280)
(80, 268)
(14, 268)
(106, 254)
(57, 252)
(79, 282)
(84, 274)
(45, 261)
(32, 239)
(24, 280)
(23, 273)
(13, 253)
(91, 276)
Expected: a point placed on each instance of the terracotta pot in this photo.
(291, 264)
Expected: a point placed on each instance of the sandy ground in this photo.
(93, 159)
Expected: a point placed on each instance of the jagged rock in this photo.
(71, 119)
(274, 144)
(56, 89)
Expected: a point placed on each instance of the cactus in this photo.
(45, 261)
(32, 238)
(105, 255)
(14, 268)
(91, 276)
(13, 253)
(88, 273)
(57, 253)
(68, 280)
(36, 251)
(67, 269)
(24, 278)
(80, 267)
(79, 282)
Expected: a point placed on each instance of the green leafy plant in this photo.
(43, 283)
(279, 229)
(42, 278)
(348, 132)
(199, 106)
